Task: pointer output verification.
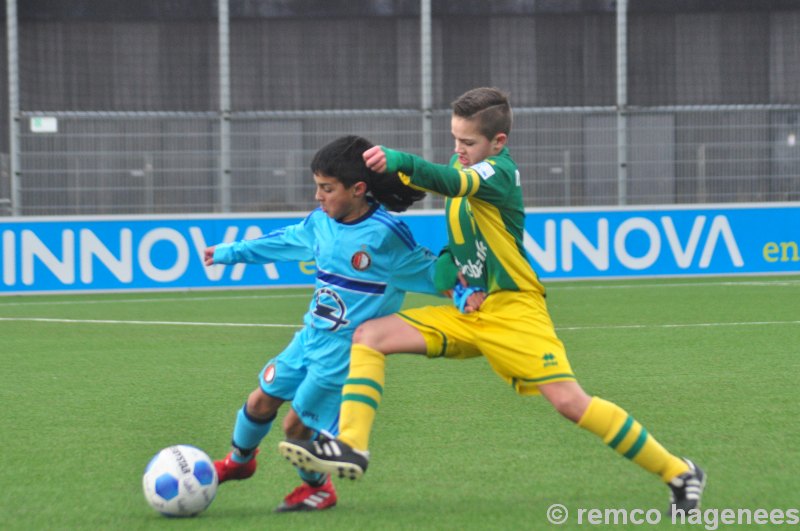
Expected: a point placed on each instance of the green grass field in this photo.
(93, 385)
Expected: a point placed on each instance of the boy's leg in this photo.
(361, 395)
(531, 353)
(363, 389)
(294, 428)
(615, 426)
(278, 381)
(253, 423)
(316, 492)
(626, 436)
(629, 438)
(315, 409)
(347, 456)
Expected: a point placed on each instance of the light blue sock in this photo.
(247, 435)
(315, 479)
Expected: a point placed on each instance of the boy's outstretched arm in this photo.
(420, 174)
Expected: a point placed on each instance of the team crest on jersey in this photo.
(361, 260)
(269, 374)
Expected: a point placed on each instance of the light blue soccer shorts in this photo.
(310, 372)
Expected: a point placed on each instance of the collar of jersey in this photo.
(373, 206)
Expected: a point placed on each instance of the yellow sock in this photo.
(629, 438)
(361, 395)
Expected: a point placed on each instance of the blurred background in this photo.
(195, 106)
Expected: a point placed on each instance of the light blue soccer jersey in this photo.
(364, 269)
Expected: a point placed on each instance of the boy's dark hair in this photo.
(342, 159)
(488, 106)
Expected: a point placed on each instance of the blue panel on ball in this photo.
(204, 472)
(167, 486)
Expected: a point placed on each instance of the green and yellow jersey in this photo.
(485, 216)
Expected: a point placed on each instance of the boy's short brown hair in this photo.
(488, 106)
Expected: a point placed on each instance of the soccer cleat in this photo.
(308, 498)
(687, 489)
(328, 456)
(228, 469)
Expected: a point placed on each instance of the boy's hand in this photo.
(208, 256)
(467, 299)
(375, 158)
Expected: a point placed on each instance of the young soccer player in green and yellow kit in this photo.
(511, 327)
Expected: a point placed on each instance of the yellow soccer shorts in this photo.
(512, 330)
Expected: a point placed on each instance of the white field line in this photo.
(273, 325)
(751, 283)
(304, 295)
(154, 323)
(151, 300)
(552, 286)
(680, 325)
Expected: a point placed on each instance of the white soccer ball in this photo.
(180, 480)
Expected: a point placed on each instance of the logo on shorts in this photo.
(361, 260)
(306, 414)
(269, 374)
(549, 360)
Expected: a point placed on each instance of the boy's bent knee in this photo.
(260, 405)
(568, 398)
(370, 334)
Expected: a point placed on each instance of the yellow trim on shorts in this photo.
(419, 325)
(530, 386)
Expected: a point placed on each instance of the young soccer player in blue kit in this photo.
(366, 260)
(512, 328)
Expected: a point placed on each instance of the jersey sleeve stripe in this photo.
(402, 232)
(391, 220)
(474, 182)
(272, 234)
(462, 190)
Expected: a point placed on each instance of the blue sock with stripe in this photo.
(247, 435)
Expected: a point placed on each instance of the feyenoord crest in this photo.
(269, 373)
(361, 260)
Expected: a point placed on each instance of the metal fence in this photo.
(222, 109)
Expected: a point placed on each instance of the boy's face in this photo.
(471, 146)
(340, 203)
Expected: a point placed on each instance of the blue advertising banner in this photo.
(42, 255)
(667, 241)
